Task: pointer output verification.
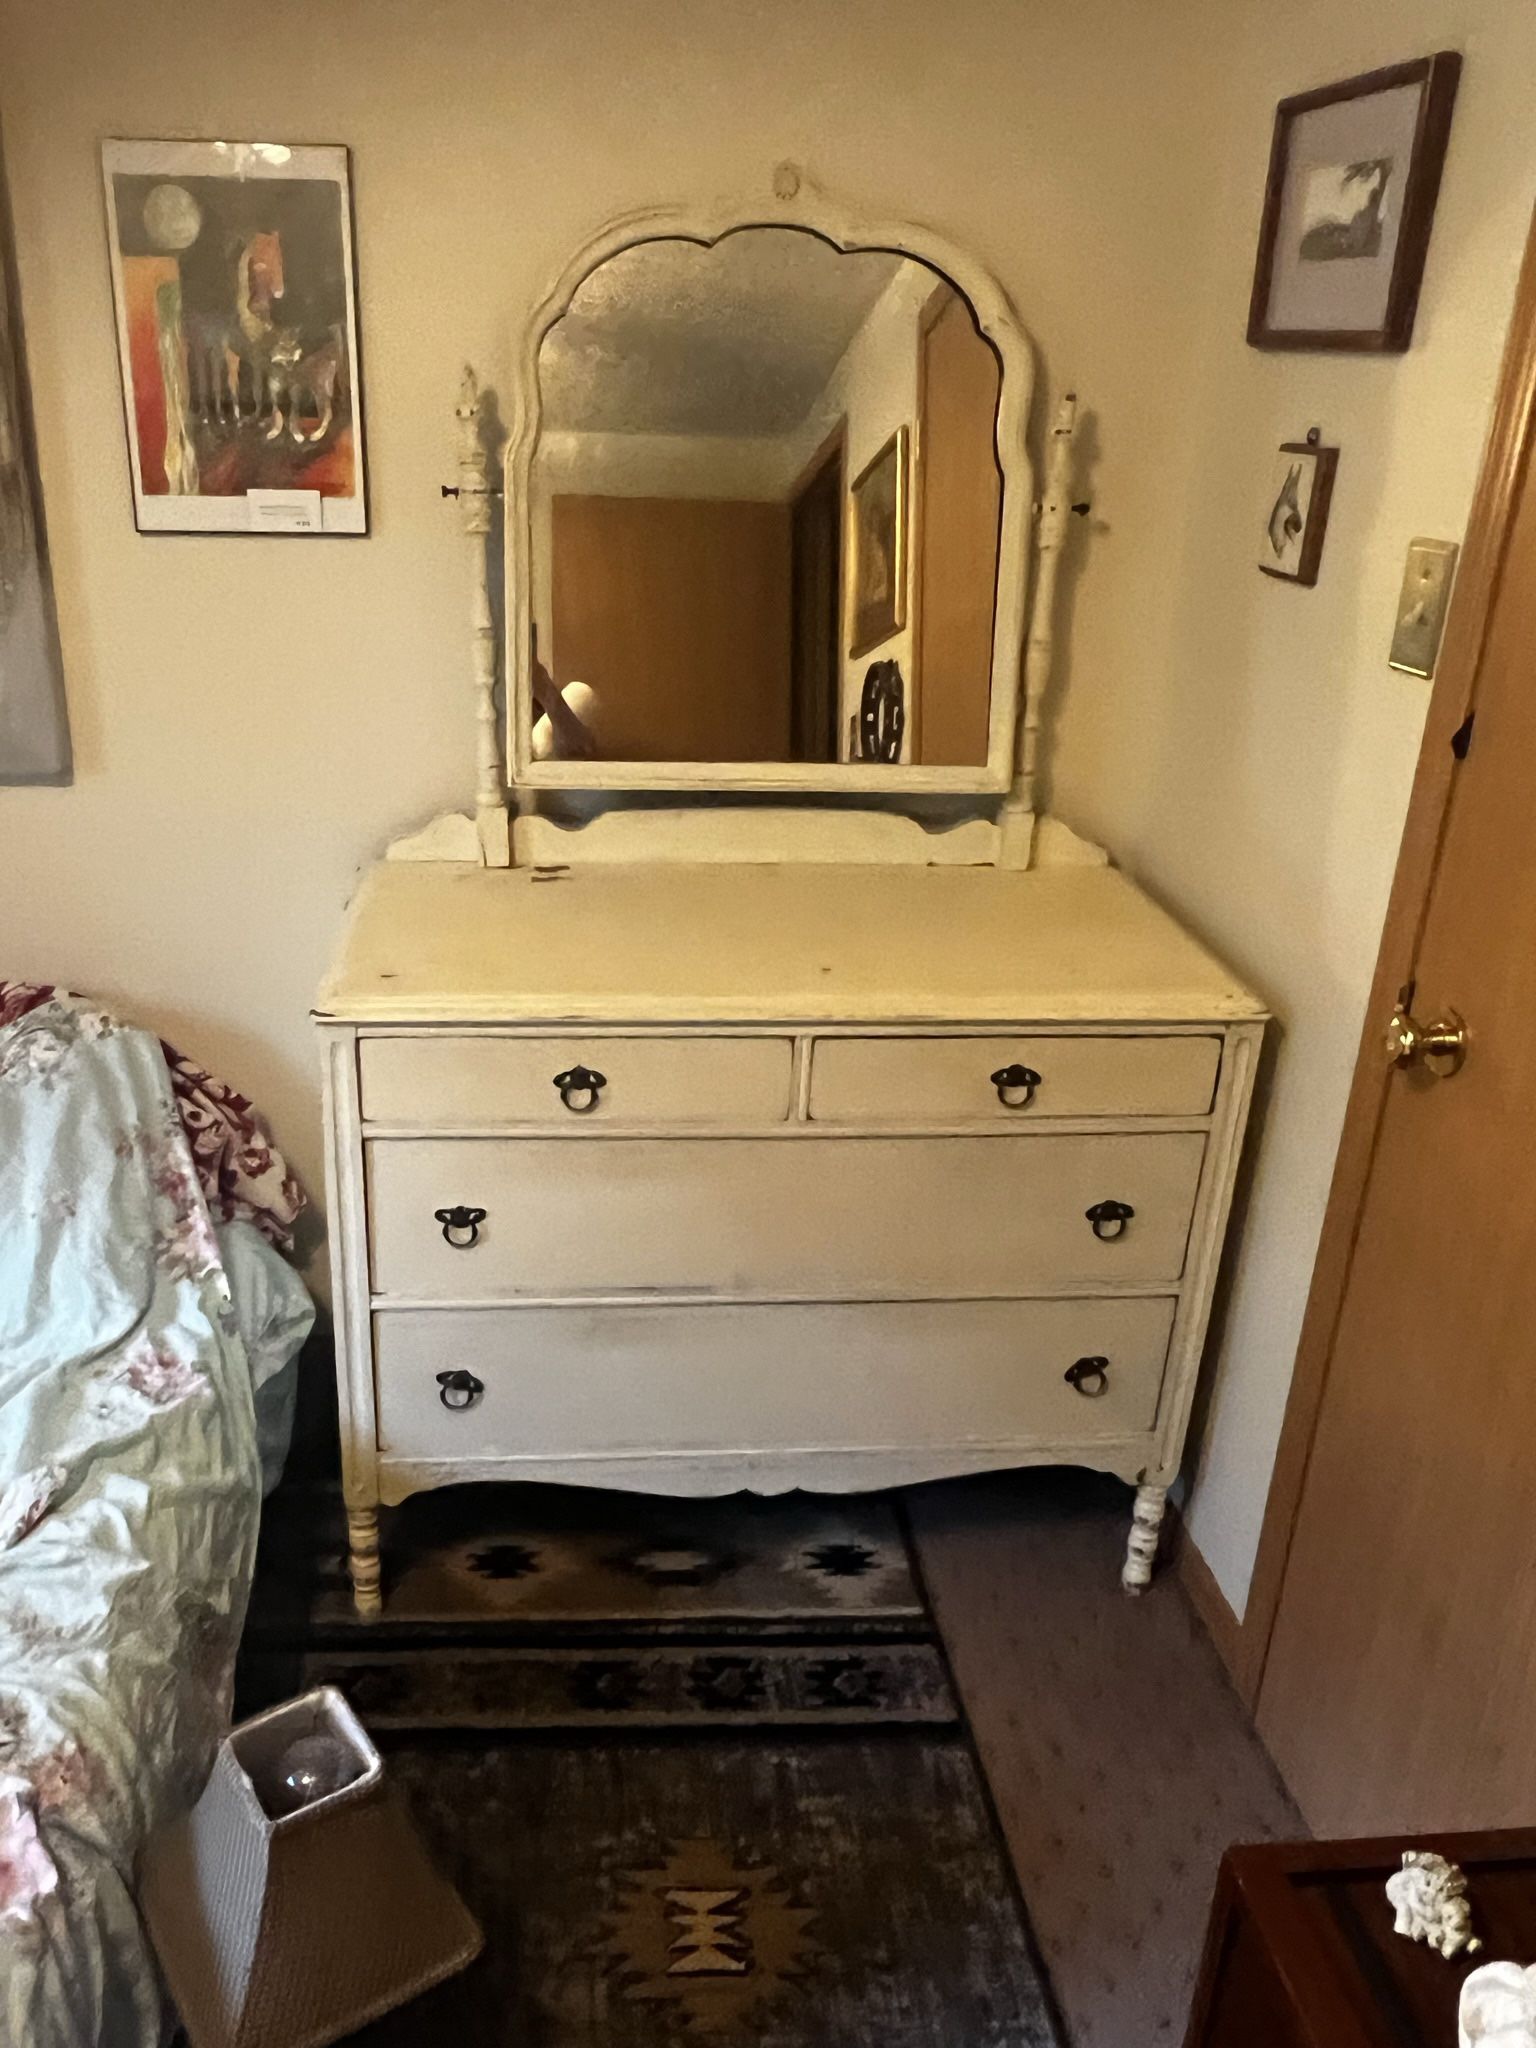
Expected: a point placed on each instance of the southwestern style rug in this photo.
(698, 1768)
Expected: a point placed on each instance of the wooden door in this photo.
(959, 493)
(676, 612)
(816, 605)
(1400, 1688)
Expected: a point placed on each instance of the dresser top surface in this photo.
(435, 942)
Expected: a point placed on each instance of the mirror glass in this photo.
(764, 506)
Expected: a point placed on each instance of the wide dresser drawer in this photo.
(442, 1080)
(957, 1079)
(533, 1382)
(785, 1217)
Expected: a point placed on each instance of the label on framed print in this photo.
(232, 275)
(284, 511)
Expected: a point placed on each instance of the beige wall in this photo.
(873, 391)
(1254, 769)
(254, 717)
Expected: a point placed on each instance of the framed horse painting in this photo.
(236, 298)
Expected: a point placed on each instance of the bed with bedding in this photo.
(146, 1322)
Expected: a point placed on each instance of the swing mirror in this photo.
(766, 511)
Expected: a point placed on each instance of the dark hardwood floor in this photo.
(1121, 1761)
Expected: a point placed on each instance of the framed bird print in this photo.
(1354, 174)
(1301, 491)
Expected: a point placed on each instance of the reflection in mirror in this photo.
(765, 504)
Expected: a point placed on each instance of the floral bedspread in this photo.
(243, 1175)
(129, 1496)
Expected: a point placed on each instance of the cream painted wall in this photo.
(253, 718)
(874, 389)
(1255, 770)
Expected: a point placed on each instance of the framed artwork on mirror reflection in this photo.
(1354, 174)
(880, 521)
(236, 303)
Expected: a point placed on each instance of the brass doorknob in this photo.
(1441, 1045)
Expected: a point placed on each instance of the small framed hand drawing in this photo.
(1300, 494)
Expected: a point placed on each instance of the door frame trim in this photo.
(1511, 436)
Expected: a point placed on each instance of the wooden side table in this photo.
(1300, 1951)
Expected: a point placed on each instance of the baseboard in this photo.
(1208, 1601)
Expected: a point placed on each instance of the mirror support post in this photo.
(1017, 817)
(475, 494)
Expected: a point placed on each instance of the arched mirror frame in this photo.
(796, 204)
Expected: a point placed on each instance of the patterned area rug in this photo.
(698, 1769)
(522, 1556)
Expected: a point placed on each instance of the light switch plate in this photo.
(1421, 606)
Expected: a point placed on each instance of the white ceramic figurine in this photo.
(1429, 1896)
(1498, 2007)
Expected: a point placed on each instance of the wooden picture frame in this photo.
(235, 294)
(1292, 546)
(881, 532)
(1354, 175)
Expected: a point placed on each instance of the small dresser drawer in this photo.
(485, 1218)
(445, 1080)
(955, 1080)
(540, 1382)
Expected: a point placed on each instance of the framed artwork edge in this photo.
(1318, 507)
(361, 499)
(1440, 75)
(37, 747)
(899, 439)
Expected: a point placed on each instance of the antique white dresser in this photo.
(692, 1151)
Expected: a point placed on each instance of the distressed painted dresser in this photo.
(694, 1177)
(760, 1088)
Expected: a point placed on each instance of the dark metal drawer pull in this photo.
(1109, 1219)
(1009, 1080)
(1090, 1376)
(459, 1389)
(577, 1081)
(461, 1227)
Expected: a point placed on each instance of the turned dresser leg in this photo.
(1141, 1550)
(363, 1542)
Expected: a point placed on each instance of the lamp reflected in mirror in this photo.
(766, 467)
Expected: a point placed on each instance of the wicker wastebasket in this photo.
(290, 1932)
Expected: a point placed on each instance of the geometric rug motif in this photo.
(547, 1554)
(764, 1891)
(707, 1936)
(695, 1766)
(641, 1686)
